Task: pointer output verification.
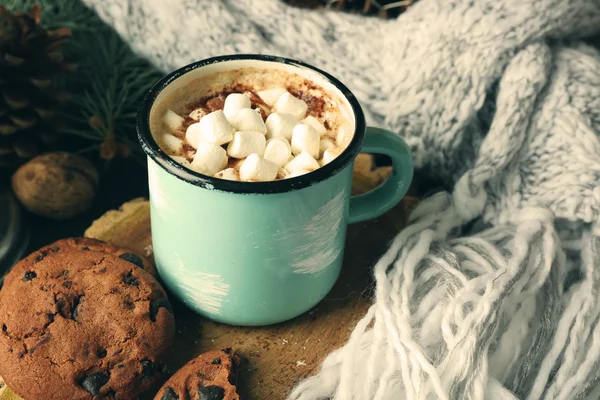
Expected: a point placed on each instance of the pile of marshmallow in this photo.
(287, 144)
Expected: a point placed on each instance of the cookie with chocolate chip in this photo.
(86, 244)
(83, 324)
(210, 376)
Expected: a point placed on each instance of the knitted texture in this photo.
(501, 100)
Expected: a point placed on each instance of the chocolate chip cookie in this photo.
(85, 244)
(210, 376)
(82, 324)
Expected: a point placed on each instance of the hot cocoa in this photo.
(252, 125)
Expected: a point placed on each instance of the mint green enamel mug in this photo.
(258, 253)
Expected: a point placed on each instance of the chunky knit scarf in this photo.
(493, 290)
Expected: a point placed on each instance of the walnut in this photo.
(56, 185)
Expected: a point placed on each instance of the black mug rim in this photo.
(172, 167)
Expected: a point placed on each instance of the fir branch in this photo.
(116, 81)
(111, 79)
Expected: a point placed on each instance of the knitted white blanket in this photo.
(498, 98)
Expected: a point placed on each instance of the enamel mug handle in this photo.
(379, 200)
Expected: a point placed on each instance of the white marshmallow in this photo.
(298, 172)
(229, 174)
(281, 173)
(248, 119)
(197, 114)
(278, 150)
(192, 134)
(245, 143)
(325, 144)
(344, 135)
(330, 154)
(287, 103)
(280, 125)
(181, 160)
(270, 96)
(305, 138)
(212, 128)
(235, 102)
(315, 123)
(236, 163)
(172, 120)
(209, 159)
(256, 168)
(170, 144)
(303, 161)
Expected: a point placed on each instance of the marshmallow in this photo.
(344, 135)
(281, 173)
(325, 144)
(305, 138)
(287, 103)
(192, 134)
(235, 102)
(278, 150)
(170, 144)
(229, 174)
(248, 119)
(172, 120)
(270, 96)
(303, 161)
(256, 168)
(212, 128)
(209, 159)
(245, 143)
(315, 123)
(197, 114)
(181, 160)
(330, 154)
(298, 172)
(280, 125)
(236, 163)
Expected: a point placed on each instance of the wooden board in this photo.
(276, 358)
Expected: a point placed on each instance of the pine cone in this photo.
(31, 67)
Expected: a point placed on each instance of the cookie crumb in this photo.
(148, 250)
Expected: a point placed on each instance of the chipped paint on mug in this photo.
(321, 249)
